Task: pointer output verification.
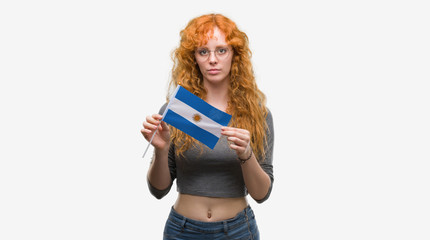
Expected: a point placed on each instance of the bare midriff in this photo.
(209, 209)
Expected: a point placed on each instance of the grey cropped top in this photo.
(213, 172)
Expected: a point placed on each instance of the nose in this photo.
(212, 58)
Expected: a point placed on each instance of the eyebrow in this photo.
(219, 46)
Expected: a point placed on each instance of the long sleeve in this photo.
(157, 193)
(267, 164)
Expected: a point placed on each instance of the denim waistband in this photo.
(218, 226)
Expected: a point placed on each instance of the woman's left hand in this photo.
(239, 140)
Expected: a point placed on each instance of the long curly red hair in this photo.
(247, 104)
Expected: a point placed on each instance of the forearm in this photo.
(256, 180)
(158, 172)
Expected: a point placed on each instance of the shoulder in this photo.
(269, 113)
(269, 126)
(269, 117)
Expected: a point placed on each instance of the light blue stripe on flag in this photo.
(195, 117)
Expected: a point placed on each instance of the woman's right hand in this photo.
(162, 137)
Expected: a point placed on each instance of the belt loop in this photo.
(249, 212)
(225, 227)
(184, 220)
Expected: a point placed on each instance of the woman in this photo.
(213, 61)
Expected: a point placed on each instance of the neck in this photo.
(217, 94)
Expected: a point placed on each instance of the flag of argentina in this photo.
(195, 117)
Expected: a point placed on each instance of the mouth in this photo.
(214, 71)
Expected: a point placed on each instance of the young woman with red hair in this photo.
(213, 61)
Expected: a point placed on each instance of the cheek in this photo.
(200, 66)
(228, 66)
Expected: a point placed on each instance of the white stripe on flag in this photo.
(188, 113)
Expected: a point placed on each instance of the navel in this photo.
(209, 213)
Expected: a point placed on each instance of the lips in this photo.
(214, 71)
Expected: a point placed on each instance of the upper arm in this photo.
(267, 163)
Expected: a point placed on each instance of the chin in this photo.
(215, 79)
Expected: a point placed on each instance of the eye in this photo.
(222, 51)
(203, 52)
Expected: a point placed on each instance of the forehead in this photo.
(214, 37)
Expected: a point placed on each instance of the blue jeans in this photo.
(242, 226)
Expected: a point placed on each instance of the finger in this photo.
(239, 149)
(151, 119)
(157, 116)
(234, 132)
(229, 133)
(164, 125)
(238, 141)
(244, 131)
(243, 137)
(229, 130)
(149, 126)
(235, 147)
(146, 133)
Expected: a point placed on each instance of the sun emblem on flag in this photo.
(197, 117)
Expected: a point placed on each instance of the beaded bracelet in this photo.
(242, 161)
